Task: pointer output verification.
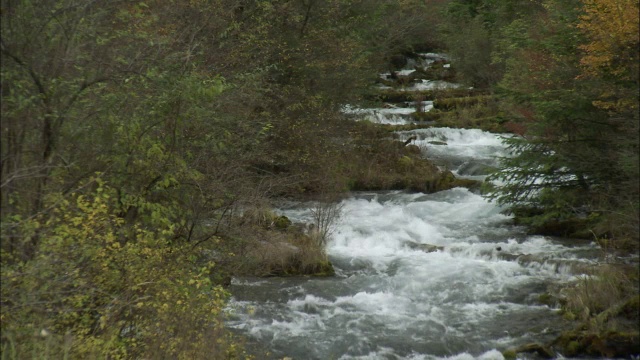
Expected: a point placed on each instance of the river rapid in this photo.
(476, 295)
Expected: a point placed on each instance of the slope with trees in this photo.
(142, 144)
(566, 73)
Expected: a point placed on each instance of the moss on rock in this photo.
(509, 354)
(282, 222)
(454, 102)
(610, 344)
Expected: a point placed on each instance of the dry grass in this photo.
(608, 286)
(266, 245)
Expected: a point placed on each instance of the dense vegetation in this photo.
(565, 75)
(142, 145)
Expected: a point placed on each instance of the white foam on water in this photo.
(392, 115)
(435, 56)
(379, 233)
(464, 151)
(381, 353)
(489, 355)
(348, 109)
(395, 299)
(459, 137)
(424, 85)
(404, 72)
(247, 282)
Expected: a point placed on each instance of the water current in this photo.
(475, 295)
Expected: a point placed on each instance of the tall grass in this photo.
(608, 286)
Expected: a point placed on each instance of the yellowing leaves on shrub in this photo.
(107, 299)
(611, 27)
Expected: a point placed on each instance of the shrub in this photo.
(98, 288)
(325, 215)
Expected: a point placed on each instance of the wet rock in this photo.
(560, 265)
(410, 139)
(536, 348)
(547, 299)
(510, 354)
(475, 168)
(438, 143)
(398, 61)
(454, 102)
(321, 269)
(507, 256)
(424, 247)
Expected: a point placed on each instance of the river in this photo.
(475, 296)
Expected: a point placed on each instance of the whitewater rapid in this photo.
(391, 299)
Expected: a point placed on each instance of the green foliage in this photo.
(193, 111)
(473, 32)
(111, 290)
(573, 159)
(471, 50)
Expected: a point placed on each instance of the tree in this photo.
(575, 153)
(134, 132)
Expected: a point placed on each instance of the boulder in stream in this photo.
(423, 247)
(532, 348)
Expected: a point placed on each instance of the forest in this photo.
(144, 143)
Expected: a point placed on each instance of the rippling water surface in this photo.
(393, 300)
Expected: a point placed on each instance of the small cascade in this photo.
(414, 81)
(418, 276)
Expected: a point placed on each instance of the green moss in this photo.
(412, 150)
(406, 162)
(546, 299)
(509, 354)
(568, 315)
(612, 344)
(631, 309)
(451, 103)
(323, 269)
(282, 222)
(572, 348)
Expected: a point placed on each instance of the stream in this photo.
(418, 276)
(472, 298)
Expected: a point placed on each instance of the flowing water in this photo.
(475, 295)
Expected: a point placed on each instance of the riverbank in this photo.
(574, 303)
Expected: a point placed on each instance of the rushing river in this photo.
(472, 298)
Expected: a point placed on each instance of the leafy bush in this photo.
(97, 288)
